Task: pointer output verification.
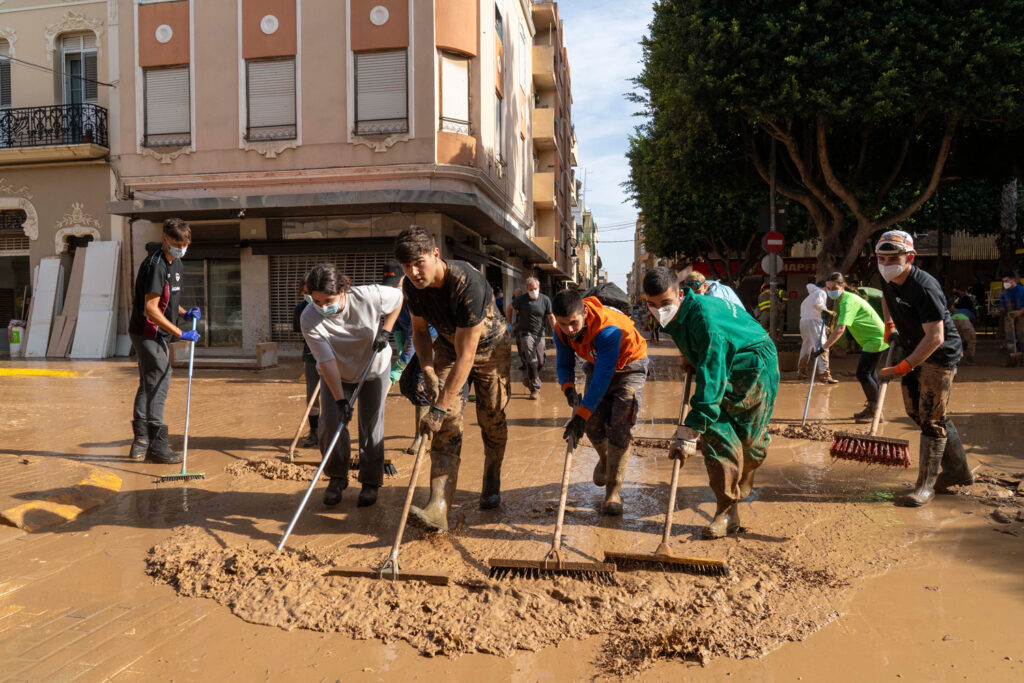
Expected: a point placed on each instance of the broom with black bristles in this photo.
(874, 450)
(553, 565)
(663, 559)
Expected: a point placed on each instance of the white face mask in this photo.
(890, 273)
(665, 314)
(1007, 285)
(533, 293)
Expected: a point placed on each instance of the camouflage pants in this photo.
(738, 441)
(925, 396)
(615, 415)
(490, 378)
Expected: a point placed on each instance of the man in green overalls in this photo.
(737, 378)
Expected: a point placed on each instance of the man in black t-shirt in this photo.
(918, 321)
(533, 308)
(471, 344)
(155, 307)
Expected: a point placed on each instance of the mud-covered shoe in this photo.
(866, 415)
(490, 490)
(615, 476)
(332, 494)
(140, 440)
(726, 521)
(601, 466)
(827, 378)
(534, 394)
(367, 495)
(928, 472)
(159, 450)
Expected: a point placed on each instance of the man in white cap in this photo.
(917, 320)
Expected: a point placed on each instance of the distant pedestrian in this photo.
(1011, 307)
(962, 318)
(813, 314)
(532, 310)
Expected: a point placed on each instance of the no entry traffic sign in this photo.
(774, 242)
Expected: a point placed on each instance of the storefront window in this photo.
(215, 285)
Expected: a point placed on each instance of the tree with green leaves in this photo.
(868, 105)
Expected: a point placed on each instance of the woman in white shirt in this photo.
(343, 327)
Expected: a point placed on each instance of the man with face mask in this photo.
(918, 321)
(867, 329)
(532, 310)
(615, 368)
(736, 369)
(1011, 306)
(151, 327)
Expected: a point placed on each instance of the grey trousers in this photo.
(154, 361)
(531, 351)
(370, 413)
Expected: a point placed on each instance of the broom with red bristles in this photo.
(875, 450)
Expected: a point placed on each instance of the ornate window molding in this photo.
(72, 21)
(379, 143)
(31, 224)
(75, 222)
(8, 34)
(60, 246)
(164, 158)
(270, 149)
(7, 188)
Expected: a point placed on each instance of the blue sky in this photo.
(603, 39)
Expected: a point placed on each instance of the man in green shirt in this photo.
(737, 378)
(867, 329)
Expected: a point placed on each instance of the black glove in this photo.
(573, 397)
(344, 410)
(382, 339)
(574, 430)
(817, 352)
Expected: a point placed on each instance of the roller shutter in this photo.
(271, 94)
(168, 110)
(381, 93)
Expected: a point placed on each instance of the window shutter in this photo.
(5, 75)
(381, 92)
(167, 107)
(91, 76)
(72, 43)
(455, 88)
(271, 93)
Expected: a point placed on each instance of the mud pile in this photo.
(779, 591)
(1002, 491)
(272, 469)
(812, 432)
(649, 442)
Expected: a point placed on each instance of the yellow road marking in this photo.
(36, 372)
(66, 504)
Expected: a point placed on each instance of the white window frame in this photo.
(525, 75)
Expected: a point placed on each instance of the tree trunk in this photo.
(1007, 240)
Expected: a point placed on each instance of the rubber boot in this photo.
(746, 483)
(311, 438)
(367, 495)
(414, 447)
(615, 474)
(927, 473)
(602, 460)
(866, 415)
(140, 442)
(444, 474)
(159, 450)
(490, 490)
(955, 470)
(727, 513)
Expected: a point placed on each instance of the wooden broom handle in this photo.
(676, 463)
(881, 396)
(556, 543)
(302, 423)
(416, 465)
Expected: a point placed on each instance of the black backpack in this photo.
(609, 294)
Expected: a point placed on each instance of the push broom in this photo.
(553, 565)
(390, 569)
(185, 475)
(663, 558)
(875, 450)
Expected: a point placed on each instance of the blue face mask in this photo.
(834, 293)
(308, 298)
(177, 252)
(328, 310)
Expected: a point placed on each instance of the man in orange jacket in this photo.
(615, 368)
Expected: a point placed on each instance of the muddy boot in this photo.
(746, 483)
(311, 438)
(490, 491)
(414, 447)
(928, 471)
(827, 378)
(140, 442)
(602, 460)
(615, 474)
(444, 473)
(335, 489)
(866, 415)
(159, 450)
(727, 514)
(367, 495)
(955, 470)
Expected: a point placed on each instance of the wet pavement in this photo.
(862, 588)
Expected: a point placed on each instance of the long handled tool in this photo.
(1015, 357)
(814, 371)
(327, 454)
(303, 422)
(663, 558)
(876, 450)
(185, 475)
(390, 569)
(552, 564)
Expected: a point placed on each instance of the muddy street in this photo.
(828, 579)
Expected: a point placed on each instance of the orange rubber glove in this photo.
(895, 371)
(889, 328)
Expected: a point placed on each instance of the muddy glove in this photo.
(431, 385)
(193, 314)
(684, 445)
(895, 371)
(431, 422)
(815, 353)
(190, 335)
(382, 339)
(344, 410)
(574, 430)
(572, 396)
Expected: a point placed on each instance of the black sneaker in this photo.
(332, 496)
(367, 496)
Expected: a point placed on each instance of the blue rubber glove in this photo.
(190, 335)
(193, 314)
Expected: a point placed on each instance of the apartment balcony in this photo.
(544, 16)
(544, 191)
(573, 148)
(62, 132)
(544, 128)
(544, 67)
(547, 245)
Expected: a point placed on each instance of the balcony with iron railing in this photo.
(61, 132)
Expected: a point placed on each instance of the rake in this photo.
(663, 559)
(185, 475)
(553, 565)
(390, 569)
(876, 450)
